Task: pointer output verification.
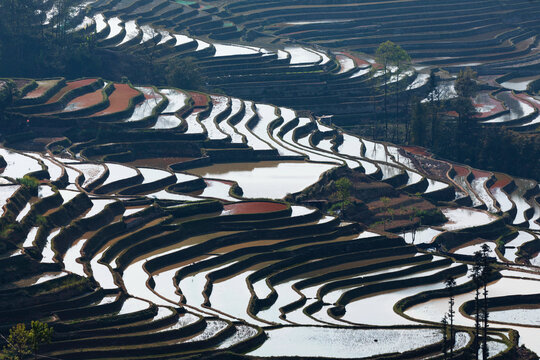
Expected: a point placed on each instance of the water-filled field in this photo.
(157, 222)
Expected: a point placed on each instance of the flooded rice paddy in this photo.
(271, 180)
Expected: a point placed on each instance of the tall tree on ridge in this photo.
(434, 99)
(466, 87)
(402, 61)
(450, 286)
(485, 311)
(383, 54)
(393, 60)
(418, 122)
(444, 323)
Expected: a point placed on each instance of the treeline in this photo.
(461, 138)
(447, 126)
(37, 40)
(496, 149)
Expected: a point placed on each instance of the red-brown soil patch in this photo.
(497, 108)
(218, 99)
(151, 95)
(526, 98)
(70, 86)
(119, 99)
(160, 163)
(84, 101)
(359, 62)
(502, 181)
(417, 150)
(199, 99)
(341, 59)
(461, 170)
(42, 88)
(432, 167)
(479, 173)
(522, 97)
(255, 207)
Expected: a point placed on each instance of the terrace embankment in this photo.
(374, 203)
(129, 256)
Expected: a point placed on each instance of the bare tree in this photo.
(485, 311)
(477, 279)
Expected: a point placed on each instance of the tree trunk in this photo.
(485, 350)
(385, 74)
(397, 107)
(477, 322)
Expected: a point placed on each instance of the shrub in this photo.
(432, 216)
(343, 192)
(22, 342)
(28, 181)
(185, 74)
(5, 229)
(41, 220)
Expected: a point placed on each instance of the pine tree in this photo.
(444, 323)
(450, 286)
(23, 342)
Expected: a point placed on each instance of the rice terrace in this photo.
(256, 179)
